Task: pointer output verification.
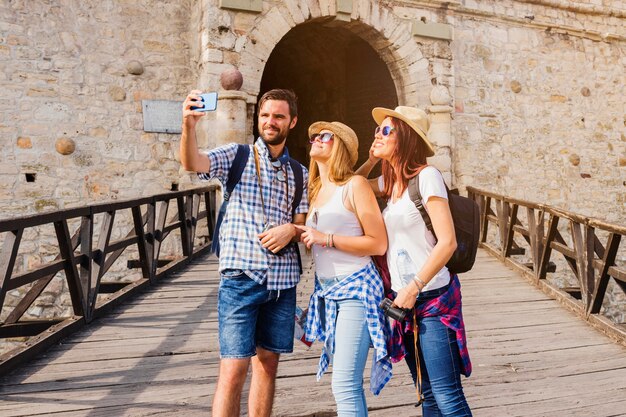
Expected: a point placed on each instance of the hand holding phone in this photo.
(209, 102)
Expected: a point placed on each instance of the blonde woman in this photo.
(344, 227)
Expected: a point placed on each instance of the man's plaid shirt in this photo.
(240, 247)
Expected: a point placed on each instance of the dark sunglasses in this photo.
(385, 130)
(322, 137)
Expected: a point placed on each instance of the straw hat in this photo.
(341, 131)
(414, 117)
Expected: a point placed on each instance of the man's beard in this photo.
(276, 140)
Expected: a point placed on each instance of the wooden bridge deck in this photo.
(157, 356)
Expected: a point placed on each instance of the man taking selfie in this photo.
(258, 258)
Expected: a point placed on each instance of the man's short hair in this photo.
(282, 94)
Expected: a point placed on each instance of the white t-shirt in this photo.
(406, 229)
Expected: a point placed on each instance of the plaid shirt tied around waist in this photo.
(367, 286)
(448, 308)
(240, 247)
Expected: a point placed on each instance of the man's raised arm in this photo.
(190, 157)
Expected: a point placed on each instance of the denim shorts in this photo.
(250, 315)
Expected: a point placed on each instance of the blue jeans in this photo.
(440, 365)
(352, 343)
(250, 315)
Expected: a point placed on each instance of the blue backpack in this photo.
(234, 175)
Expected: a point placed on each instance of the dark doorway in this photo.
(336, 75)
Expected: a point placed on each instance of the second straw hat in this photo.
(343, 133)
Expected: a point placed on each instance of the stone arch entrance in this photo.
(336, 75)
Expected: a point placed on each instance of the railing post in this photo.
(151, 257)
(485, 221)
(587, 277)
(610, 253)
(184, 229)
(210, 202)
(7, 259)
(195, 207)
(86, 264)
(145, 258)
(506, 252)
(547, 249)
(79, 303)
(502, 211)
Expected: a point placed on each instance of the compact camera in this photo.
(209, 102)
(393, 311)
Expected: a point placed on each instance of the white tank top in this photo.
(333, 217)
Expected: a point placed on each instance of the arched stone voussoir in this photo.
(380, 28)
(273, 25)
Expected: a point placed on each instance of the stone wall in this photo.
(72, 77)
(539, 99)
(75, 72)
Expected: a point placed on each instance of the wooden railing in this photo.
(592, 263)
(85, 262)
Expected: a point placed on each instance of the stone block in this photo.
(255, 6)
(5, 52)
(155, 46)
(54, 111)
(442, 162)
(295, 11)
(42, 92)
(42, 205)
(432, 30)
(117, 93)
(557, 98)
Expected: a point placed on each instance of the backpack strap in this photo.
(236, 169)
(416, 198)
(296, 167)
(234, 175)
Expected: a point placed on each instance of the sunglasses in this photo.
(322, 137)
(385, 130)
(278, 166)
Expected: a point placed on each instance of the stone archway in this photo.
(336, 75)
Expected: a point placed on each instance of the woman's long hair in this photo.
(339, 172)
(407, 160)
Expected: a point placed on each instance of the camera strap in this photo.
(258, 178)
(257, 164)
(418, 384)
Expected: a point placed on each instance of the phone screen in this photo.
(209, 100)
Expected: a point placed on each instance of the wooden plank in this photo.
(157, 356)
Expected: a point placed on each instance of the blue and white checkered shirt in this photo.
(367, 286)
(240, 247)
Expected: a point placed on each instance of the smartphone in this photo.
(209, 100)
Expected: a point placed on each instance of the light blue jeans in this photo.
(352, 343)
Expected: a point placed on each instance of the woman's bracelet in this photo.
(418, 280)
(332, 240)
(419, 290)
